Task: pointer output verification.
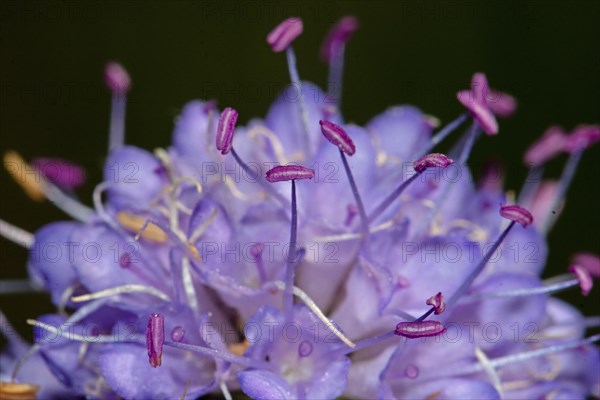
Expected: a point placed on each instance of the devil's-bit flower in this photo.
(385, 273)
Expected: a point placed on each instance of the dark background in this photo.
(54, 103)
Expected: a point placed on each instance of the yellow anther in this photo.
(18, 391)
(239, 348)
(134, 223)
(25, 175)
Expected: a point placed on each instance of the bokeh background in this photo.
(54, 103)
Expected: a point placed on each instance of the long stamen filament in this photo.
(364, 221)
(315, 309)
(15, 234)
(117, 120)
(288, 299)
(134, 288)
(295, 78)
(442, 134)
(392, 196)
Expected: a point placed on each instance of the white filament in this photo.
(122, 290)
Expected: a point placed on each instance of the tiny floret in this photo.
(225, 129)
(284, 34)
(155, 338)
(289, 173)
(432, 160)
(517, 214)
(338, 136)
(419, 329)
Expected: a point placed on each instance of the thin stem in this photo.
(295, 78)
(442, 134)
(117, 120)
(392, 196)
(258, 178)
(15, 234)
(530, 186)
(364, 221)
(336, 74)
(288, 297)
(564, 184)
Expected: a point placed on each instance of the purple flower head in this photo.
(392, 274)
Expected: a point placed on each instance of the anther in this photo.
(284, 34)
(474, 100)
(589, 261)
(225, 129)
(338, 36)
(419, 329)
(289, 173)
(155, 338)
(517, 214)
(433, 160)
(552, 143)
(338, 136)
(583, 277)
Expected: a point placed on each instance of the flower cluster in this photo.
(301, 256)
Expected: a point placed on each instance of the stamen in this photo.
(553, 285)
(16, 286)
(19, 170)
(517, 213)
(199, 231)
(38, 189)
(436, 160)
(418, 329)
(582, 137)
(337, 136)
(589, 261)
(489, 370)
(63, 173)
(225, 391)
(474, 100)
(155, 338)
(364, 221)
(188, 284)
(437, 302)
(551, 144)
(133, 288)
(583, 277)
(421, 165)
(118, 81)
(225, 129)
(284, 34)
(317, 311)
(289, 173)
(332, 52)
(67, 333)
(467, 283)
(443, 133)
(141, 227)
(11, 390)
(15, 234)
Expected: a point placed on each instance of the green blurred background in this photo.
(53, 101)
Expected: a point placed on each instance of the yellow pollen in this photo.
(134, 223)
(18, 391)
(239, 348)
(24, 174)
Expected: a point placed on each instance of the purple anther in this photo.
(419, 329)
(339, 35)
(516, 213)
(589, 261)
(289, 173)
(583, 276)
(60, 172)
(116, 77)
(582, 137)
(284, 34)
(501, 104)
(338, 136)
(155, 338)
(437, 302)
(475, 101)
(225, 129)
(432, 160)
(552, 143)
